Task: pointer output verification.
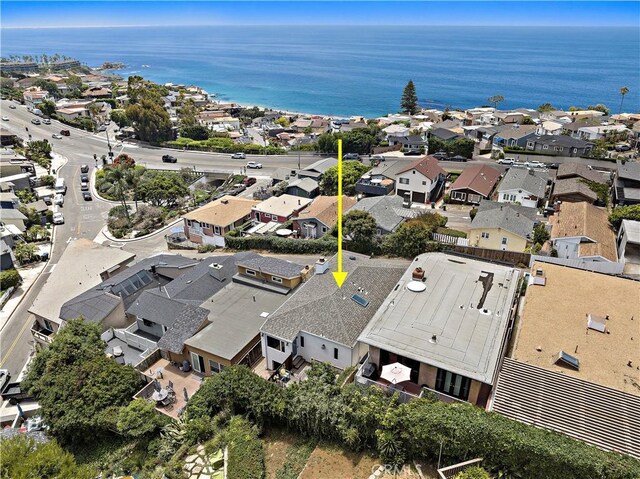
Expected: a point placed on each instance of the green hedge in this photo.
(245, 449)
(9, 278)
(276, 244)
(361, 418)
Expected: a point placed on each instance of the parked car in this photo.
(55, 136)
(457, 158)
(46, 121)
(13, 107)
(169, 159)
(534, 164)
(506, 161)
(620, 148)
(351, 156)
(553, 166)
(58, 199)
(87, 196)
(440, 155)
(254, 164)
(84, 169)
(35, 121)
(249, 181)
(239, 156)
(377, 158)
(5, 118)
(84, 178)
(84, 186)
(58, 218)
(412, 153)
(65, 132)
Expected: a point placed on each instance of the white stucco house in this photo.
(419, 180)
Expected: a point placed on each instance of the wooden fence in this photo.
(511, 258)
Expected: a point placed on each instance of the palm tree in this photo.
(133, 177)
(494, 100)
(623, 91)
(25, 252)
(118, 188)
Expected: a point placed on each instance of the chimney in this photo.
(322, 265)
(418, 274)
(215, 271)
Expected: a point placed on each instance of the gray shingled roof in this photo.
(187, 322)
(534, 182)
(156, 307)
(628, 170)
(507, 217)
(383, 209)
(320, 308)
(305, 184)
(266, 264)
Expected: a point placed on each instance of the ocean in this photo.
(346, 71)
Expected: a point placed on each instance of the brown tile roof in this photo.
(426, 165)
(325, 209)
(479, 178)
(223, 211)
(554, 319)
(584, 219)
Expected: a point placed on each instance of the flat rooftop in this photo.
(554, 319)
(235, 317)
(466, 304)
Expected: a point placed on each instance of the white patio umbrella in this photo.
(396, 373)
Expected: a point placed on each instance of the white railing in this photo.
(455, 469)
(128, 336)
(448, 239)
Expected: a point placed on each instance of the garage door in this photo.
(418, 197)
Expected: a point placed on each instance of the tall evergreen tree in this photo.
(409, 101)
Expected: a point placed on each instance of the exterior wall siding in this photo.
(514, 243)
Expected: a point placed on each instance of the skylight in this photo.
(360, 300)
(568, 360)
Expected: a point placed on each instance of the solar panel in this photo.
(569, 360)
(360, 300)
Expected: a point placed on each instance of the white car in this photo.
(254, 164)
(13, 107)
(534, 164)
(58, 199)
(506, 161)
(58, 218)
(238, 156)
(5, 118)
(46, 121)
(55, 136)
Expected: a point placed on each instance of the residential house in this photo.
(507, 117)
(398, 130)
(303, 187)
(549, 127)
(559, 145)
(316, 169)
(409, 143)
(12, 163)
(17, 182)
(626, 183)
(501, 226)
(628, 242)
(448, 320)
(474, 184)
(279, 209)
(83, 265)
(582, 231)
(514, 136)
(6, 256)
(97, 92)
(444, 135)
(574, 359)
(388, 212)
(320, 216)
(525, 186)
(8, 200)
(572, 129)
(34, 96)
(218, 121)
(322, 322)
(571, 183)
(209, 223)
(421, 181)
(381, 179)
(600, 131)
(13, 216)
(315, 125)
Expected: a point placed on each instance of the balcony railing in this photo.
(41, 334)
(374, 189)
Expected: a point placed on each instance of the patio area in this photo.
(167, 374)
(299, 372)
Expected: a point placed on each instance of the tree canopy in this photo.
(409, 100)
(139, 418)
(77, 385)
(461, 146)
(352, 170)
(195, 132)
(361, 227)
(360, 140)
(162, 188)
(150, 121)
(119, 117)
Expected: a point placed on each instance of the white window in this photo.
(275, 279)
(216, 230)
(250, 272)
(266, 215)
(275, 343)
(545, 147)
(215, 367)
(424, 183)
(404, 181)
(458, 195)
(485, 235)
(504, 241)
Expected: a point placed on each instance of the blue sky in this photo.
(506, 12)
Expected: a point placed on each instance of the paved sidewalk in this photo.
(29, 275)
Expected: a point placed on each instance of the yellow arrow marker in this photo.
(339, 275)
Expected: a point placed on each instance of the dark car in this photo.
(84, 178)
(249, 181)
(351, 156)
(84, 169)
(169, 159)
(457, 158)
(87, 196)
(440, 155)
(65, 132)
(553, 166)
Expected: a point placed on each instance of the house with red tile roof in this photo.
(421, 181)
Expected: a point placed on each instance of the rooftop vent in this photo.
(433, 339)
(322, 265)
(224, 201)
(539, 277)
(215, 271)
(416, 286)
(418, 274)
(568, 360)
(597, 323)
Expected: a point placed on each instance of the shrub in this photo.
(246, 452)
(631, 212)
(47, 180)
(9, 278)
(475, 472)
(206, 248)
(451, 232)
(281, 245)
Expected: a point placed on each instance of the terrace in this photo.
(185, 385)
